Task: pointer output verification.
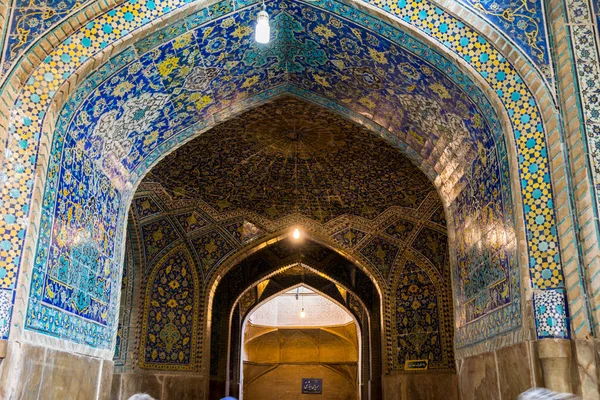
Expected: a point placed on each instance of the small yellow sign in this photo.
(414, 365)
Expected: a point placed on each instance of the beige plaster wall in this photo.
(285, 381)
(301, 345)
(276, 360)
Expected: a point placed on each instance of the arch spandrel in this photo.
(416, 270)
(44, 76)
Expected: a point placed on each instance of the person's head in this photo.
(141, 396)
(545, 394)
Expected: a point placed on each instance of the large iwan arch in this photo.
(128, 87)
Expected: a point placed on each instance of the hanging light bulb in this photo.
(263, 30)
(296, 234)
(302, 313)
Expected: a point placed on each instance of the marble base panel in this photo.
(566, 366)
(501, 374)
(39, 373)
(420, 386)
(586, 356)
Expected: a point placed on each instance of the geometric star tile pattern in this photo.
(5, 310)
(145, 207)
(551, 314)
(156, 236)
(211, 248)
(381, 253)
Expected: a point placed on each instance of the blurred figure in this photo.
(141, 396)
(545, 394)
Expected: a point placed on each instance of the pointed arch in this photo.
(420, 318)
(542, 247)
(171, 311)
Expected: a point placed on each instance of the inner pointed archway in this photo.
(300, 337)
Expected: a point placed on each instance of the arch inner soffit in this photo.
(524, 26)
(318, 261)
(287, 157)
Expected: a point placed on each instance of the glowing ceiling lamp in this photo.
(263, 30)
(302, 313)
(296, 234)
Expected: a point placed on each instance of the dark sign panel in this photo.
(411, 365)
(312, 386)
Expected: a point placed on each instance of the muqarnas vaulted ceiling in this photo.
(291, 156)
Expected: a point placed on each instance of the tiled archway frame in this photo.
(577, 59)
(54, 70)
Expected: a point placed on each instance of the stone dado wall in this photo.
(565, 365)
(569, 366)
(44, 373)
